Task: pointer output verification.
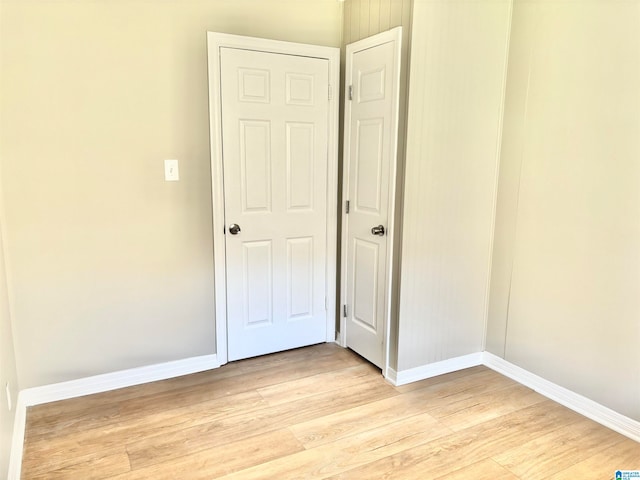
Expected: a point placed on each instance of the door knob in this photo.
(379, 230)
(234, 229)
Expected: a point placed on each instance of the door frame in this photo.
(393, 35)
(215, 41)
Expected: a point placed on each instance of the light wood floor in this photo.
(320, 412)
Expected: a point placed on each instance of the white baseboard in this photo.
(584, 406)
(434, 369)
(115, 380)
(391, 376)
(17, 440)
(96, 384)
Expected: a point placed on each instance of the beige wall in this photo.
(363, 18)
(565, 289)
(112, 266)
(458, 61)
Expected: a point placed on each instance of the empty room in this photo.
(288, 239)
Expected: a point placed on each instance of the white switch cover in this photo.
(171, 173)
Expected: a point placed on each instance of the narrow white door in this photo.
(274, 130)
(371, 112)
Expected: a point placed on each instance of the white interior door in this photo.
(275, 120)
(371, 113)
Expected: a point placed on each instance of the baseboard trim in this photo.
(422, 372)
(17, 441)
(576, 402)
(96, 384)
(391, 376)
(115, 380)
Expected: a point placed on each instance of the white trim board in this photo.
(434, 369)
(576, 402)
(215, 41)
(96, 384)
(17, 441)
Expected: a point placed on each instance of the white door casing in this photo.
(370, 148)
(274, 174)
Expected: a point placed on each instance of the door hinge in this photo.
(346, 206)
(350, 92)
(344, 311)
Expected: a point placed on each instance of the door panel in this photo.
(254, 85)
(365, 272)
(300, 156)
(257, 282)
(371, 85)
(299, 278)
(255, 163)
(275, 142)
(369, 163)
(370, 149)
(299, 89)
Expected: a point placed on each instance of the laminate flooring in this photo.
(319, 412)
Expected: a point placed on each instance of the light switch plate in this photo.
(171, 173)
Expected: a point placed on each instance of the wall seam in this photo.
(401, 181)
(497, 173)
(517, 206)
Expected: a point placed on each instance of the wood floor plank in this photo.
(466, 447)
(323, 382)
(483, 470)
(276, 361)
(92, 417)
(236, 427)
(101, 465)
(164, 412)
(62, 450)
(213, 405)
(349, 452)
(469, 386)
(430, 398)
(540, 457)
(624, 455)
(481, 407)
(222, 387)
(329, 428)
(221, 459)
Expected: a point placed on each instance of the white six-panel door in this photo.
(275, 120)
(371, 111)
